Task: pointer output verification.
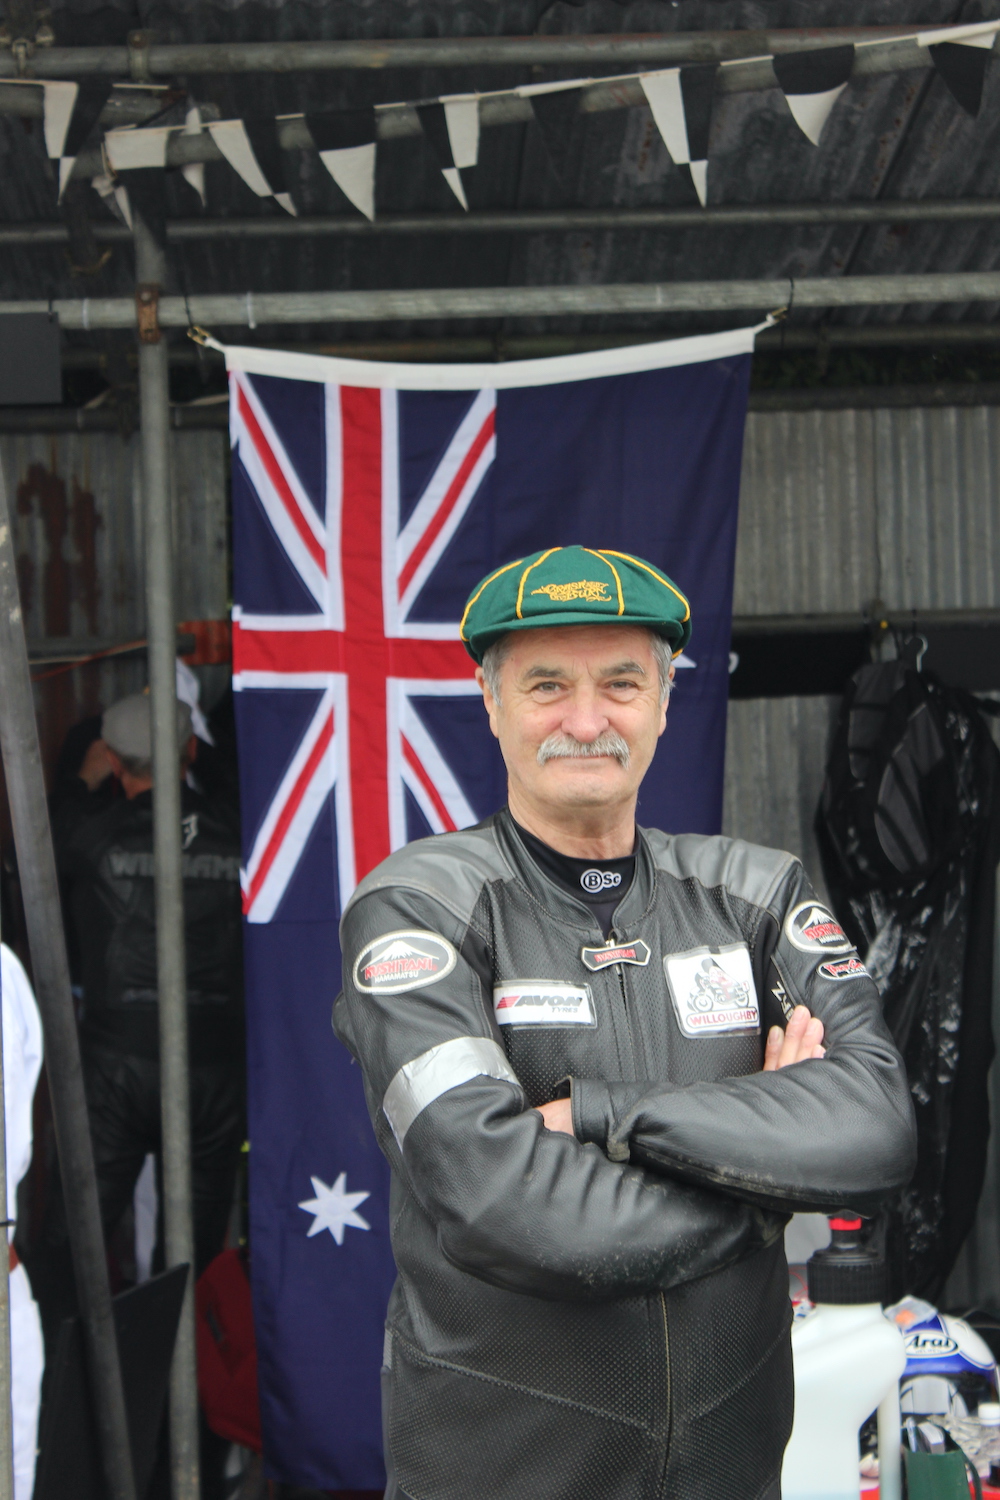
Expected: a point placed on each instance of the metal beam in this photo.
(531, 221)
(252, 309)
(507, 346)
(643, 50)
(22, 764)
(171, 973)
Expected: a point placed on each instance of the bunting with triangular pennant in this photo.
(91, 97)
(345, 140)
(812, 82)
(960, 55)
(556, 111)
(451, 126)
(193, 172)
(681, 103)
(243, 143)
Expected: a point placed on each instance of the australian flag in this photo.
(368, 500)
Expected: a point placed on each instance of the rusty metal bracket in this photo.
(139, 43)
(147, 312)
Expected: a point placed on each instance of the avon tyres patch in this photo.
(713, 990)
(401, 961)
(843, 968)
(542, 1002)
(597, 959)
(813, 929)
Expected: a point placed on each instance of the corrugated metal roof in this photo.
(899, 135)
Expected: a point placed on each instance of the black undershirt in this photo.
(568, 872)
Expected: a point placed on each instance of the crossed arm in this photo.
(801, 1040)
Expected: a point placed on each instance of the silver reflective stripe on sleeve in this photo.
(433, 1073)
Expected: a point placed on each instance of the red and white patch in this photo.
(843, 968)
(401, 961)
(812, 928)
(713, 990)
(542, 1002)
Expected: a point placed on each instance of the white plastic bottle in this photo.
(988, 1449)
(848, 1358)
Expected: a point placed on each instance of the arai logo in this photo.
(929, 1343)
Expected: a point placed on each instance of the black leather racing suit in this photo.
(105, 860)
(607, 1317)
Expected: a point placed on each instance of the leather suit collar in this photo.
(631, 909)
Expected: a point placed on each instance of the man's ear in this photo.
(191, 750)
(663, 706)
(489, 701)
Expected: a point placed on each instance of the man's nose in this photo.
(584, 718)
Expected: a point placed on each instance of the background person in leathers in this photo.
(591, 1171)
(104, 847)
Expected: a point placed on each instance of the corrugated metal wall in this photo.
(838, 508)
(77, 513)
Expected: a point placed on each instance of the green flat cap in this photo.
(574, 586)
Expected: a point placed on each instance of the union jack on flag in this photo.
(359, 647)
(368, 501)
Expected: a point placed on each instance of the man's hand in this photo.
(800, 1040)
(558, 1115)
(96, 766)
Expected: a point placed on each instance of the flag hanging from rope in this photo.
(368, 499)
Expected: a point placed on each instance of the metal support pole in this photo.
(30, 817)
(6, 1383)
(631, 299)
(161, 628)
(637, 50)
(533, 221)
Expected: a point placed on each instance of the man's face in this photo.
(571, 689)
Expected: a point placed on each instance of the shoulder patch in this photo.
(843, 968)
(812, 928)
(404, 960)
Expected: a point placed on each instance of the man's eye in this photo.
(619, 686)
(547, 687)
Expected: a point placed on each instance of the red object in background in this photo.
(227, 1351)
(213, 642)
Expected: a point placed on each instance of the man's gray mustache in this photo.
(564, 746)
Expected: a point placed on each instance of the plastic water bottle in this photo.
(848, 1358)
(988, 1449)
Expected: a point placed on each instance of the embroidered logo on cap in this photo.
(625, 953)
(401, 961)
(813, 929)
(600, 880)
(713, 990)
(843, 968)
(584, 588)
(542, 1002)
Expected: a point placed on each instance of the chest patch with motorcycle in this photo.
(713, 990)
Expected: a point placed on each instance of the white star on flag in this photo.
(334, 1208)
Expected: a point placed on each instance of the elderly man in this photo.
(594, 1057)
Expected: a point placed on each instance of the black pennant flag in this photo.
(962, 65)
(345, 140)
(452, 130)
(812, 82)
(90, 100)
(239, 147)
(681, 102)
(556, 115)
(262, 134)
